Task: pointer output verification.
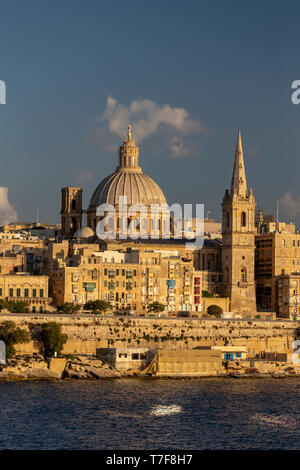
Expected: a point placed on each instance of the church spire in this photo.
(238, 182)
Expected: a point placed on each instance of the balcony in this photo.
(242, 284)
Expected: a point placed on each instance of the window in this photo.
(74, 205)
(243, 219)
(0, 291)
(11, 292)
(41, 292)
(33, 292)
(243, 275)
(227, 219)
(26, 292)
(18, 292)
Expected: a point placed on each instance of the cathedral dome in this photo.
(128, 180)
(84, 232)
(137, 187)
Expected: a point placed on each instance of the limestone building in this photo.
(128, 280)
(32, 290)
(277, 256)
(288, 293)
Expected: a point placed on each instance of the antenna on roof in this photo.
(277, 210)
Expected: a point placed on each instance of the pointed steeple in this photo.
(238, 181)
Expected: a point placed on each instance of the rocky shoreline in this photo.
(28, 368)
(37, 368)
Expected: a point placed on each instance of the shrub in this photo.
(214, 310)
(69, 308)
(52, 338)
(71, 357)
(14, 307)
(205, 293)
(97, 306)
(11, 335)
(156, 307)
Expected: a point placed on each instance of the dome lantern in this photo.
(129, 154)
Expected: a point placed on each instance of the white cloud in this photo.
(85, 177)
(147, 118)
(8, 213)
(290, 205)
(177, 148)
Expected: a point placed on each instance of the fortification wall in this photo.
(86, 334)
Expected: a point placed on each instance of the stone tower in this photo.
(71, 210)
(238, 234)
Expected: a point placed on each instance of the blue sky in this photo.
(226, 64)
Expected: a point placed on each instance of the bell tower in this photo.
(71, 210)
(238, 235)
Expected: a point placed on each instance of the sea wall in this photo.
(86, 334)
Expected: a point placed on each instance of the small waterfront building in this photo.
(127, 358)
(232, 353)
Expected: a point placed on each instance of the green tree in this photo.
(52, 338)
(214, 310)
(97, 306)
(69, 308)
(11, 335)
(156, 307)
(17, 307)
(206, 293)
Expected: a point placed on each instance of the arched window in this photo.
(74, 224)
(243, 219)
(243, 275)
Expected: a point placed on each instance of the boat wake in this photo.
(275, 420)
(165, 410)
